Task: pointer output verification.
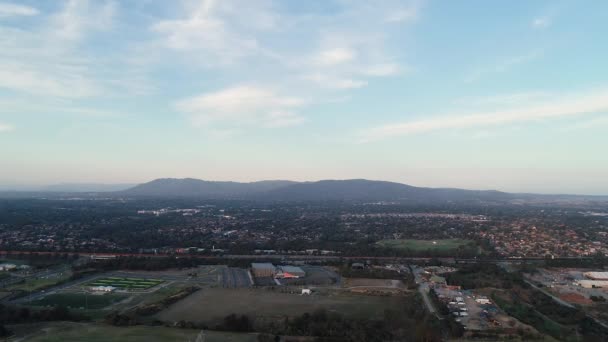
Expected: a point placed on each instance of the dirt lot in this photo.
(365, 282)
(212, 305)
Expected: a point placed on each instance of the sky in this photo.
(507, 95)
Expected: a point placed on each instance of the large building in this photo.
(263, 269)
(596, 275)
(290, 272)
(589, 284)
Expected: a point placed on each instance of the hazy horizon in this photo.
(508, 96)
(125, 185)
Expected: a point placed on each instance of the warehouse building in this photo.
(596, 275)
(589, 284)
(290, 272)
(263, 269)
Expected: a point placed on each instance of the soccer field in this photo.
(423, 245)
(79, 300)
(126, 283)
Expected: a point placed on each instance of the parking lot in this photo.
(236, 277)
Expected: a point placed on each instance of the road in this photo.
(423, 288)
(291, 257)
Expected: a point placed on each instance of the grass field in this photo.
(212, 305)
(126, 283)
(79, 300)
(69, 332)
(32, 284)
(424, 245)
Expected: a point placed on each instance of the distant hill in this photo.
(189, 187)
(353, 189)
(85, 187)
(286, 191)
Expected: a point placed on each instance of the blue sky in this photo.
(509, 95)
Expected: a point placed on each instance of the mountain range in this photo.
(279, 190)
(283, 190)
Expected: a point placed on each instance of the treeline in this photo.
(160, 263)
(152, 308)
(15, 315)
(404, 322)
(484, 275)
(41, 260)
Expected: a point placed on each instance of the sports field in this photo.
(34, 284)
(213, 304)
(79, 300)
(424, 245)
(126, 283)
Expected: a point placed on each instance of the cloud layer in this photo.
(557, 106)
(243, 105)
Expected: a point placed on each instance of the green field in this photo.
(424, 245)
(213, 304)
(34, 284)
(79, 300)
(126, 283)
(68, 332)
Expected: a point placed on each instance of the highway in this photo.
(292, 257)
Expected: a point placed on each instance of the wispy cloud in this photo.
(8, 9)
(334, 56)
(404, 14)
(45, 59)
(502, 65)
(556, 107)
(541, 22)
(513, 99)
(79, 17)
(333, 82)
(335, 52)
(5, 127)
(220, 32)
(243, 105)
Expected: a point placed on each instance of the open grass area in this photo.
(79, 300)
(424, 245)
(34, 284)
(212, 305)
(126, 283)
(68, 332)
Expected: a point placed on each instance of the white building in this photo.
(596, 275)
(483, 301)
(7, 267)
(102, 288)
(589, 284)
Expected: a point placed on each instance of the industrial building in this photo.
(596, 275)
(7, 267)
(589, 284)
(263, 269)
(290, 272)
